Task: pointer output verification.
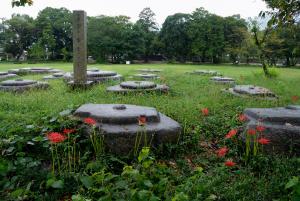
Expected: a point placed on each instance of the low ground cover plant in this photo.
(45, 155)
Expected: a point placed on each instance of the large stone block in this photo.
(138, 86)
(5, 75)
(54, 76)
(34, 70)
(120, 127)
(282, 127)
(251, 91)
(20, 85)
(205, 72)
(146, 76)
(149, 70)
(222, 80)
(97, 76)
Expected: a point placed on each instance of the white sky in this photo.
(131, 8)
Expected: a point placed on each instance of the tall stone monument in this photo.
(79, 49)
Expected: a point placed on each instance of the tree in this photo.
(249, 50)
(290, 45)
(136, 42)
(19, 34)
(21, 2)
(54, 30)
(207, 34)
(260, 38)
(2, 33)
(235, 30)
(283, 11)
(273, 47)
(285, 14)
(108, 38)
(197, 33)
(174, 36)
(150, 31)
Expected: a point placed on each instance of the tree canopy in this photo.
(198, 37)
(22, 2)
(283, 11)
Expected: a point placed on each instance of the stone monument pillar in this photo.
(79, 49)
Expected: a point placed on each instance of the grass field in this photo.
(263, 179)
(189, 93)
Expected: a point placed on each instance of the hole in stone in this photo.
(119, 107)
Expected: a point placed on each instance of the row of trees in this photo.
(199, 36)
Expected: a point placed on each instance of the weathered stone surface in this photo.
(146, 76)
(119, 125)
(20, 85)
(91, 60)
(149, 70)
(93, 69)
(138, 86)
(282, 127)
(19, 71)
(101, 73)
(5, 75)
(55, 71)
(251, 90)
(79, 48)
(222, 80)
(54, 76)
(205, 72)
(97, 76)
(33, 70)
(86, 85)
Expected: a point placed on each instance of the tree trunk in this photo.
(264, 65)
(288, 62)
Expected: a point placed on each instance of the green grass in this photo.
(263, 180)
(189, 93)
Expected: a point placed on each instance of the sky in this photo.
(132, 8)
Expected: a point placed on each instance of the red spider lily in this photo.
(56, 137)
(231, 133)
(263, 141)
(205, 111)
(90, 121)
(260, 128)
(68, 131)
(242, 118)
(295, 98)
(229, 163)
(142, 120)
(251, 132)
(222, 151)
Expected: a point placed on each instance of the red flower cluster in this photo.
(229, 163)
(222, 152)
(67, 131)
(251, 132)
(90, 121)
(260, 128)
(205, 111)
(263, 141)
(142, 120)
(56, 137)
(231, 133)
(242, 118)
